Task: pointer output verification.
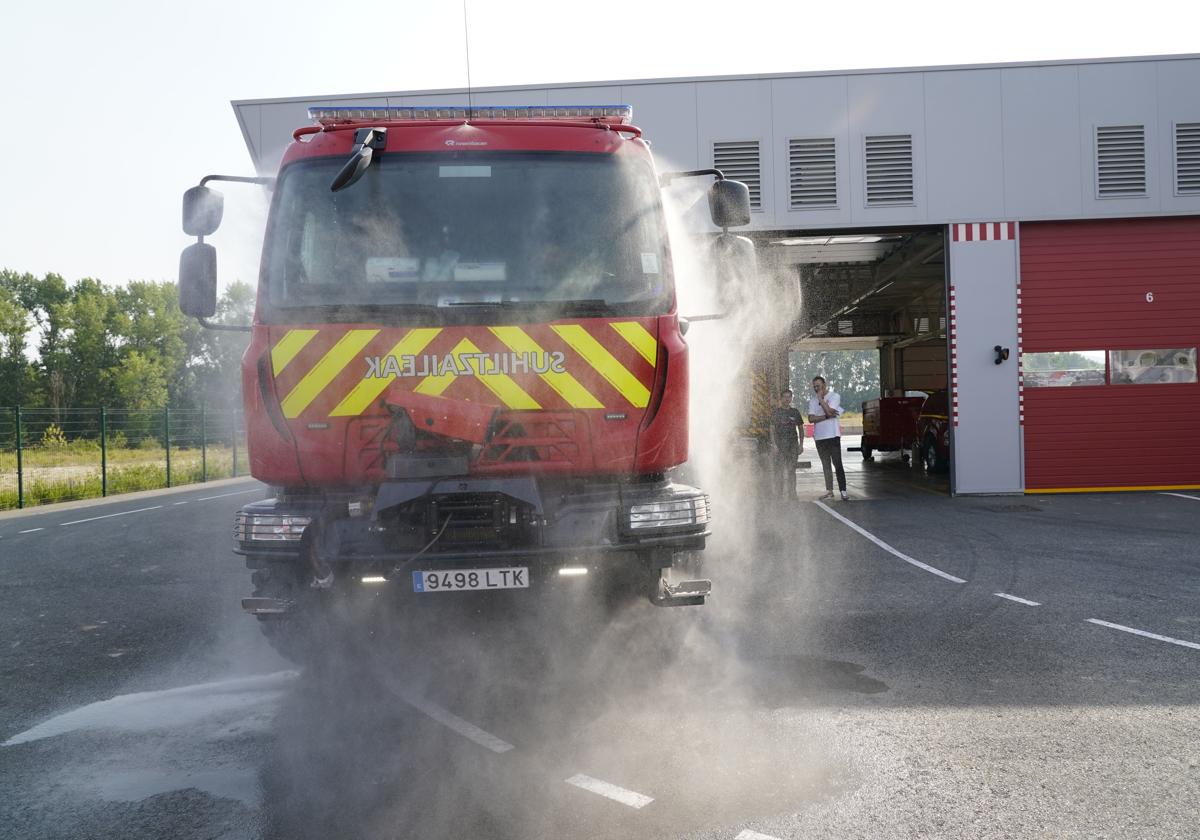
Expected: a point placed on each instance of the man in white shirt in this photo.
(824, 408)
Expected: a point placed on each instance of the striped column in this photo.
(952, 327)
(1020, 365)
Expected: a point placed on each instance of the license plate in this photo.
(514, 577)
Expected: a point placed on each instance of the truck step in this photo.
(266, 606)
(685, 593)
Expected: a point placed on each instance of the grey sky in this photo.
(114, 108)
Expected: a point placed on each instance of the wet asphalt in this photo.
(830, 689)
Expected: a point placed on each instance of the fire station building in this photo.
(1025, 236)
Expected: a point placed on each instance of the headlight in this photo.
(670, 514)
(268, 527)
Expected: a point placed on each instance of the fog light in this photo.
(570, 571)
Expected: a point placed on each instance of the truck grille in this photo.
(482, 519)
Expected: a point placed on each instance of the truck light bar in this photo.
(339, 115)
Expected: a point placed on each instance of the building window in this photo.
(1152, 367)
(1063, 369)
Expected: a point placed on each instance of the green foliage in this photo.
(53, 437)
(1060, 361)
(852, 373)
(89, 344)
(186, 468)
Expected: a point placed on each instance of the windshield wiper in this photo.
(585, 306)
(504, 304)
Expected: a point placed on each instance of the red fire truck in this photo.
(466, 369)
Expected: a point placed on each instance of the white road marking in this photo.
(608, 789)
(30, 530)
(223, 495)
(1183, 496)
(747, 834)
(1024, 601)
(887, 547)
(452, 721)
(1137, 632)
(180, 503)
(109, 515)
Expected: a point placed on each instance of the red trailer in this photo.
(890, 425)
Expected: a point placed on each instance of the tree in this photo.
(87, 324)
(218, 360)
(140, 382)
(17, 378)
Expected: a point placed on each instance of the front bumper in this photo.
(498, 520)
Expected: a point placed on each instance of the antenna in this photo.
(467, 42)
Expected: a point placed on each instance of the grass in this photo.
(52, 475)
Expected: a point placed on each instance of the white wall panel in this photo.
(741, 110)
(667, 114)
(1041, 142)
(964, 149)
(1119, 94)
(1178, 100)
(806, 108)
(891, 103)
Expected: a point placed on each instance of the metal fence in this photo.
(61, 454)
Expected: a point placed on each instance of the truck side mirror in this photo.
(202, 211)
(198, 280)
(729, 203)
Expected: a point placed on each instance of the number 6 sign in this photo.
(1149, 297)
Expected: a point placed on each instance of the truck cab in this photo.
(467, 369)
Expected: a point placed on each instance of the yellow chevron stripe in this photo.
(502, 385)
(566, 385)
(594, 354)
(324, 371)
(287, 347)
(366, 391)
(636, 335)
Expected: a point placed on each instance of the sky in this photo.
(115, 107)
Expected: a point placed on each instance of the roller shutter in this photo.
(1112, 285)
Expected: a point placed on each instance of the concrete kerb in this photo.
(126, 497)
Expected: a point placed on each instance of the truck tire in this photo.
(867, 452)
(931, 457)
(286, 634)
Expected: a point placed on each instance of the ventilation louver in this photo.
(1120, 160)
(889, 161)
(739, 161)
(1187, 158)
(812, 167)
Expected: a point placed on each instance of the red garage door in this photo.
(1111, 325)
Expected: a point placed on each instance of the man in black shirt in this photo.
(787, 442)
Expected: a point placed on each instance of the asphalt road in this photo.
(884, 682)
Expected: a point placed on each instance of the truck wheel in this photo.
(932, 459)
(866, 452)
(284, 633)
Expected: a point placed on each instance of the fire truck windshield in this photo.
(436, 230)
